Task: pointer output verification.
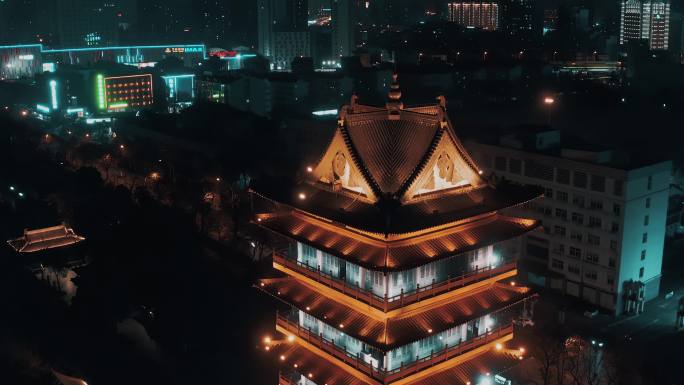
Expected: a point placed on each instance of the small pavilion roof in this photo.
(325, 371)
(46, 238)
(401, 330)
(401, 254)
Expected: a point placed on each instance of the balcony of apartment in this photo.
(387, 376)
(386, 303)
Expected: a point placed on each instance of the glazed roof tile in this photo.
(391, 150)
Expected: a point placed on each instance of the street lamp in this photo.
(549, 101)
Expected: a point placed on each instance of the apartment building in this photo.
(604, 216)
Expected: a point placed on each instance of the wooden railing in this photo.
(387, 376)
(394, 302)
(283, 380)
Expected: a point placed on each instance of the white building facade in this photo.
(604, 226)
(645, 20)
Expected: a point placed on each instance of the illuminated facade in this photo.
(20, 61)
(645, 20)
(480, 14)
(397, 261)
(180, 89)
(604, 217)
(17, 61)
(123, 93)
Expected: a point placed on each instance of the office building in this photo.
(398, 264)
(476, 14)
(343, 28)
(214, 21)
(550, 20)
(645, 21)
(125, 93)
(517, 18)
(275, 17)
(288, 46)
(604, 217)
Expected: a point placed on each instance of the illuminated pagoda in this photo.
(398, 262)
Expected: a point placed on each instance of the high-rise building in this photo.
(159, 21)
(297, 15)
(398, 263)
(88, 22)
(343, 27)
(604, 216)
(214, 19)
(517, 18)
(645, 21)
(475, 14)
(550, 20)
(276, 16)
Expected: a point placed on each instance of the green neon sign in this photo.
(101, 100)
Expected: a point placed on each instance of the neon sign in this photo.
(184, 50)
(53, 94)
(43, 108)
(101, 102)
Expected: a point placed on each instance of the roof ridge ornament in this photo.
(394, 104)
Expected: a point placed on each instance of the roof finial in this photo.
(395, 90)
(394, 104)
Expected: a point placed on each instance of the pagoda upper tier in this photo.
(395, 170)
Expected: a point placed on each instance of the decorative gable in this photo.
(446, 169)
(338, 169)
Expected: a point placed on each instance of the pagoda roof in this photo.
(400, 330)
(390, 151)
(404, 253)
(323, 370)
(388, 218)
(395, 170)
(46, 238)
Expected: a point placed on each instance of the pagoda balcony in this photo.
(286, 326)
(385, 303)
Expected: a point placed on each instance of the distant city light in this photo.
(101, 101)
(325, 112)
(42, 108)
(549, 100)
(53, 94)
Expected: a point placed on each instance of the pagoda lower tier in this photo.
(445, 325)
(303, 362)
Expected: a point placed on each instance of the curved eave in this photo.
(393, 333)
(402, 254)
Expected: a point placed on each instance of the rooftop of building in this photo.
(544, 140)
(46, 238)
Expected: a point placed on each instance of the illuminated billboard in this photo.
(128, 92)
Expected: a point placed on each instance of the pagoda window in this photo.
(353, 275)
(307, 255)
(330, 265)
(402, 282)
